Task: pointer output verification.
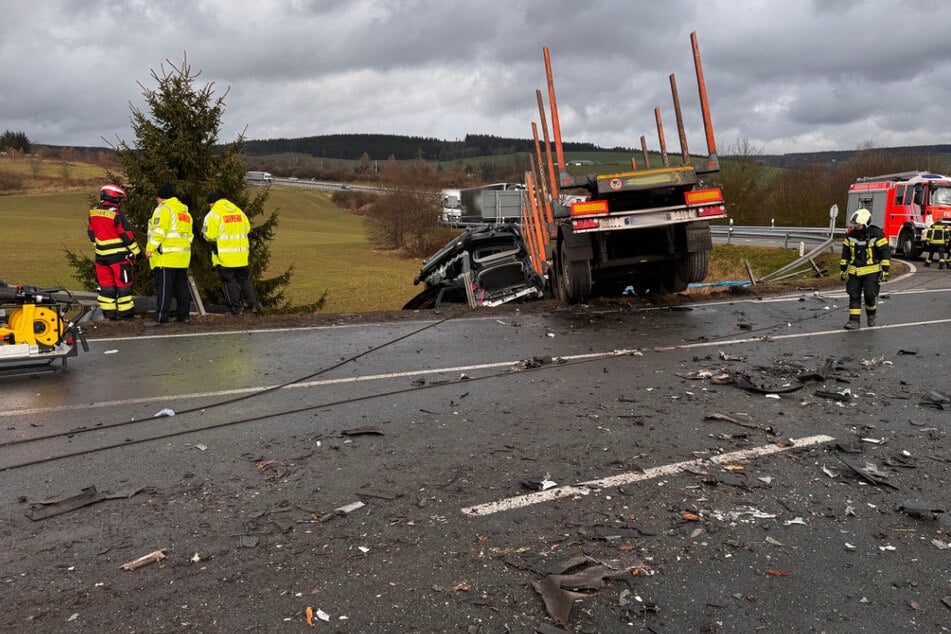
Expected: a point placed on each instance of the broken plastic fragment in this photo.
(349, 508)
(795, 520)
(164, 412)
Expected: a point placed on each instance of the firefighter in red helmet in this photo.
(116, 250)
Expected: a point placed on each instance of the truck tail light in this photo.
(701, 196)
(588, 207)
(588, 223)
(711, 211)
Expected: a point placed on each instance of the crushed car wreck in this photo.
(487, 265)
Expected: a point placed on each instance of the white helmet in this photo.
(860, 217)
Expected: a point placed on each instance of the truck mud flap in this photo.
(576, 247)
(698, 237)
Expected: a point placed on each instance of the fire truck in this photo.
(903, 205)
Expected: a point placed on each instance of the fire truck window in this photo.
(941, 196)
(919, 198)
(908, 195)
(899, 194)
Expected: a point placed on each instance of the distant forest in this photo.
(403, 148)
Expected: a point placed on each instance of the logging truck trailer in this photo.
(644, 227)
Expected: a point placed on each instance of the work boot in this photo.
(928, 262)
(852, 324)
(870, 319)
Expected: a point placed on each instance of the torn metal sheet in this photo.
(560, 591)
(89, 495)
(868, 473)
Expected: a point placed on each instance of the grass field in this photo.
(326, 245)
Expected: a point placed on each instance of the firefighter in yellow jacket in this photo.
(228, 229)
(169, 252)
(936, 239)
(865, 261)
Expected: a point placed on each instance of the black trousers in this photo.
(236, 280)
(857, 286)
(171, 283)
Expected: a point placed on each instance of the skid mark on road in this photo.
(584, 488)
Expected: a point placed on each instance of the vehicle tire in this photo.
(696, 266)
(574, 279)
(907, 244)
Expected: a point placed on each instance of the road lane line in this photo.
(461, 368)
(584, 488)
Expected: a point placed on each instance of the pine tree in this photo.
(176, 144)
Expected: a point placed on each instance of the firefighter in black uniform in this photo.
(936, 239)
(865, 262)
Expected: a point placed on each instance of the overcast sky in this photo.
(784, 75)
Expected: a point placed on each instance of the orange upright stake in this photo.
(634, 163)
(660, 138)
(680, 120)
(555, 126)
(541, 239)
(704, 104)
(546, 199)
(527, 231)
(647, 158)
(552, 178)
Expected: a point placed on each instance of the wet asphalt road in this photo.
(809, 538)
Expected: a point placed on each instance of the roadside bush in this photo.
(11, 182)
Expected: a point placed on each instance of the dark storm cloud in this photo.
(786, 75)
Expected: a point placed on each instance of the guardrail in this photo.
(787, 234)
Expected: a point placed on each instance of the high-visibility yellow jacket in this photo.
(170, 235)
(228, 227)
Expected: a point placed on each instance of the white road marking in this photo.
(454, 369)
(584, 488)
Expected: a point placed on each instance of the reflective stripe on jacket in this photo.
(170, 235)
(228, 227)
(865, 252)
(112, 235)
(936, 234)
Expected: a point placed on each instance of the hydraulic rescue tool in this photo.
(38, 326)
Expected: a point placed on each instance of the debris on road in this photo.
(936, 400)
(845, 396)
(144, 560)
(164, 412)
(48, 508)
(560, 590)
(540, 485)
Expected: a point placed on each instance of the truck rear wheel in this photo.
(574, 279)
(696, 266)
